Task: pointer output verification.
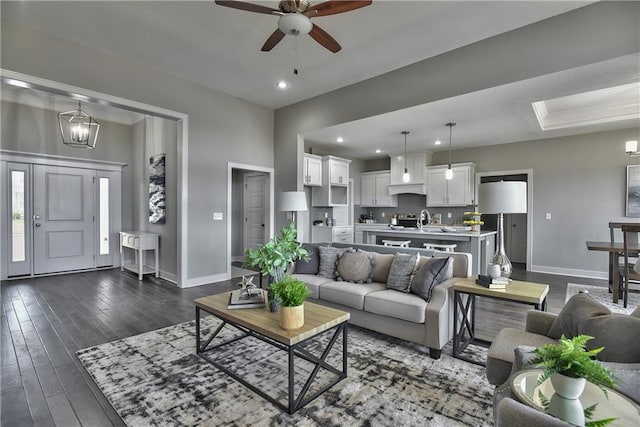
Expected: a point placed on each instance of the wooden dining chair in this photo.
(630, 252)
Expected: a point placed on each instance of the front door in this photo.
(63, 219)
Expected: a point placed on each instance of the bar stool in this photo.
(440, 247)
(397, 243)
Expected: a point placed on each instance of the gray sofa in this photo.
(402, 315)
(510, 352)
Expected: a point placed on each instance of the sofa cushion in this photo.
(355, 267)
(328, 258)
(396, 304)
(313, 282)
(382, 265)
(617, 333)
(574, 313)
(400, 272)
(312, 264)
(349, 294)
(432, 272)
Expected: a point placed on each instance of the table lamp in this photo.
(293, 201)
(504, 197)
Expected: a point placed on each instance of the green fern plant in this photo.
(571, 358)
(290, 291)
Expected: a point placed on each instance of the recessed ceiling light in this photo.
(378, 151)
(437, 142)
(282, 84)
(340, 139)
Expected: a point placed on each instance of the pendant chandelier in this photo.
(78, 129)
(449, 173)
(405, 176)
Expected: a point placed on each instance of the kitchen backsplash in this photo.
(413, 204)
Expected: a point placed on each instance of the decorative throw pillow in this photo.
(617, 333)
(400, 272)
(355, 267)
(312, 264)
(579, 308)
(432, 272)
(381, 269)
(328, 258)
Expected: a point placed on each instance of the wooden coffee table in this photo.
(262, 324)
(534, 294)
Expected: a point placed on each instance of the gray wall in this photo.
(579, 179)
(35, 130)
(222, 128)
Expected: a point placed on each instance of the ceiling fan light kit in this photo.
(295, 18)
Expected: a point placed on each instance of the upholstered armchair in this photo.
(510, 352)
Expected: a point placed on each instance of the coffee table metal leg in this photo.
(197, 329)
(292, 403)
(344, 349)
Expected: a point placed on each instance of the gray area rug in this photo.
(155, 379)
(602, 295)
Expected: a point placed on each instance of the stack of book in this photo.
(488, 282)
(243, 299)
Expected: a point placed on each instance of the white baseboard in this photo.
(205, 280)
(592, 274)
(169, 277)
(237, 258)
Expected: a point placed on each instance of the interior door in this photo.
(63, 219)
(254, 210)
(516, 237)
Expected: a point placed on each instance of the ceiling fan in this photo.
(295, 18)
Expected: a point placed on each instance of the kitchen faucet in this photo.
(420, 216)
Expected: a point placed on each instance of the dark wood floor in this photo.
(46, 320)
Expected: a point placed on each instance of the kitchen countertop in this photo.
(434, 232)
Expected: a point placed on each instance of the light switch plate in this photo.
(547, 215)
(217, 216)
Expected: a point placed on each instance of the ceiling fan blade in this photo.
(334, 7)
(322, 37)
(273, 40)
(250, 7)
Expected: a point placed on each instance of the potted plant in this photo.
(570, 365)
(273, 258)
(291, 293)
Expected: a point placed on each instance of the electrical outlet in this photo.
(382, 214)
(547, 215)
(217, 216)
(448, 214)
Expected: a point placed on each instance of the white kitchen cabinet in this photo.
(312, 170)
(415, 166)
(335, 176)
(374, 190)
(459, 191)
(339, 169)
(342, 234)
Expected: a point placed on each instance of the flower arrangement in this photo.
(473, 219)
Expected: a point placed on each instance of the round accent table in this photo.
(543, 398)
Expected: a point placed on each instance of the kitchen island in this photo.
(481, 245)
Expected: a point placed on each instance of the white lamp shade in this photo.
(293, 201)
(502, 197)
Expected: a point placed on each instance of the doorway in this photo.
(250, 212)
(517, 227)
(59, 217)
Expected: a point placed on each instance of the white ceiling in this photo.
(219, 48)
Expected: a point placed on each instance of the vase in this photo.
(568, 387)
(493, 271)
(292, 318)
(569, 410)
(274, 304)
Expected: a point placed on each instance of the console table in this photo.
(139, 241)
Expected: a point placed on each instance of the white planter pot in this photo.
(567, 387)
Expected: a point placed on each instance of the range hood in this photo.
(416, 188)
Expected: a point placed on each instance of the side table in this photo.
(543, 398)
(139, 241)
(534, 294)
